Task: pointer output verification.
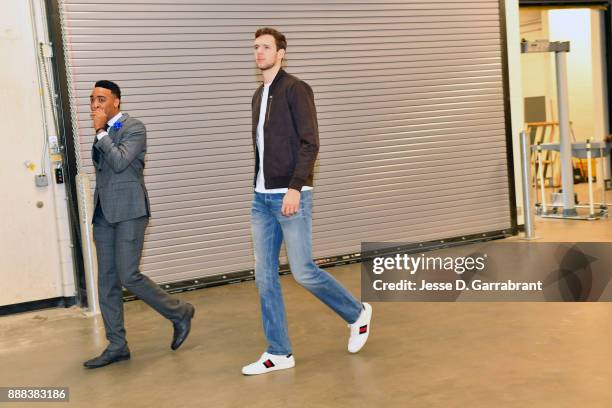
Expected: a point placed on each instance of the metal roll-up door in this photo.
(410, 103)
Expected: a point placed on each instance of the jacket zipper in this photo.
(269, 102)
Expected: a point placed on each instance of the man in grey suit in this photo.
(120, 217)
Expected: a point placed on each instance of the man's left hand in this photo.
(291, 202)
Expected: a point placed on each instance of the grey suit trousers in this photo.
(119, 247)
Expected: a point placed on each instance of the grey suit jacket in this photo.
(119, 162)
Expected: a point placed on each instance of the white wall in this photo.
(537, 77)
(35, 257)
(601, 127)
(600, 100)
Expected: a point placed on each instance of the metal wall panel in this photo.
(410, 105)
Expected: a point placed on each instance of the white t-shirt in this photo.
(260, 184)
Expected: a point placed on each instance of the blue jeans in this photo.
(269, 228)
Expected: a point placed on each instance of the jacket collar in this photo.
(279, 75)
(114, 119)
(123, 117)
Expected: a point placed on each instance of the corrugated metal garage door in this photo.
(411, 114)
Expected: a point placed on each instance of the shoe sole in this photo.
(269, 370)
(367, 335)
(188, 331)
(122, 358)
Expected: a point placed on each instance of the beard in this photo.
(266, 66)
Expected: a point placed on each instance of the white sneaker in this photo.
(269, 362)
(360, 330)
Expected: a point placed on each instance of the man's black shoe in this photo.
(182, 328)
(108, 357)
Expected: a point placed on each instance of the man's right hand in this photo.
(99, 119)
(291, 202)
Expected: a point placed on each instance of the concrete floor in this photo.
(419, 354)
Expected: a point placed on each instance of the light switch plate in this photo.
(41, 180)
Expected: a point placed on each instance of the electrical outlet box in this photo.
(41, 180)
(59, 175)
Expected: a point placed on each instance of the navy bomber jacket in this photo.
(291, 134)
